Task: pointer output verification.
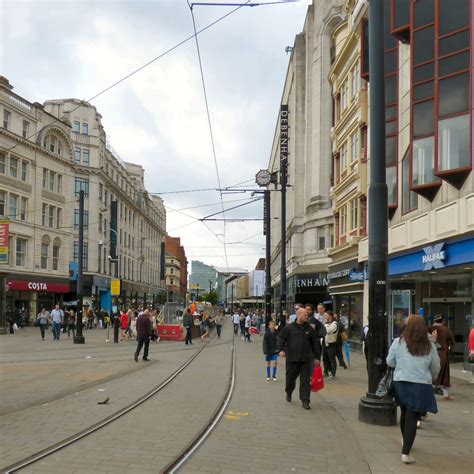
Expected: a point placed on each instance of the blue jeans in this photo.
(56, 330)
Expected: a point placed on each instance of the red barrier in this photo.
(170, 332)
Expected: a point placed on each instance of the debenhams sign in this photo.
(311, 281)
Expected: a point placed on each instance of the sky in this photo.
(157, 118)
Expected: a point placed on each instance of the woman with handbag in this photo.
(416, 361)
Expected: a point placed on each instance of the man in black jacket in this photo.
(188, 324)
(298, 343)
(144, 330)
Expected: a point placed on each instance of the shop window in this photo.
(349, 308)
(409, 198)
(454, 43)
(453, 143)
(423, 119)
(452, 64)
(423, 12)
(21, 252)
(422, 73)
(423, 45)
(423, 161)
(454, 94)
(453, 15)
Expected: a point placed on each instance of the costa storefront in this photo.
(32, 294)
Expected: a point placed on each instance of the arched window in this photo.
(52, 144)
(56, 249)
(45, 241)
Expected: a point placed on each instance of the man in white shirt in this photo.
(57, 318)
(236, 322)
(248, 325)
(321, 314)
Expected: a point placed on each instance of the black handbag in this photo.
(386, 388)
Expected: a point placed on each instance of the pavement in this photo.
(260, 431)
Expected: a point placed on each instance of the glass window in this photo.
(24, 171)
(44, 214)
(52, 181)
(58, 217)
(423, 118)
(423, 45)
(85, 252)
(52, 144)
(355, 145)
(76, 218)
(423, 12)
(350, 312)
(77, 126)
(390, 89)
(422, 73)
(3, 198)
(423, 91)
(13, 167)
(60, 183)
(454, 43)
(354, 213)
(391, 174)
(391, 127)
(85, 128)
(23, 209)
(453, 15)
(454, 94)
(453, 143)
(343, 159)
(26, 128)
(77, 155)
(56, 248)
(13, 209)
(44, 256)
(391, 60)
(81, 184)
(51, 216)
(452, 64)
(423, 161)
(21, 249)
(85, 156)
(3, 163)
(356, 79)
(401, 9)
(343, 221)
(6, 119)
(391, 151)
(410, 199)
(45, 178)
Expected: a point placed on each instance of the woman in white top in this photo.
(416, 362)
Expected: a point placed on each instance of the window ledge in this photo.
(428, 191)
(455, 177)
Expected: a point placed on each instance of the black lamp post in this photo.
(372, 409)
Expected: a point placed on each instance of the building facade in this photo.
(176, 270)
(202, 279)
(309, 219)
(58, 149)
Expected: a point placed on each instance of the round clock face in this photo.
(263, 177)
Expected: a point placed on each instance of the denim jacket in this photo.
(410, 368)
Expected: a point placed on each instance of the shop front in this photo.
(346, 287)
(31, 295)
(311, 288)
(433, 280)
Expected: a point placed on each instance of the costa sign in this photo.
(49, 287)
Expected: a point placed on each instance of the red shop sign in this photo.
(24, 285)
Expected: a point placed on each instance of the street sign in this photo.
(115, 287)
(4, 241)
(356, 276)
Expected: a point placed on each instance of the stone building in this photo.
(176, 270)
(58, 149)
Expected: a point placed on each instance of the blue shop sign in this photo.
(433, 257)
(356, 276)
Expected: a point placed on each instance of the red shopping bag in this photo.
(317, 380)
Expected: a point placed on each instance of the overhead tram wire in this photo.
(143, 66)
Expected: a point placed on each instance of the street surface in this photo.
(49, 391)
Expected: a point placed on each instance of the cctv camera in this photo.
(109, 257)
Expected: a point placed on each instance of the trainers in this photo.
(135, 357)
(306, 406)
(418, 424)
(268, 378)
(274, 379)
(407, 459)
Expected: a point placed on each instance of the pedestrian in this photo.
(218, 320)
(281, 319)
(248, 325)
(318, 327)
(416, 362)
(365, 332)
(129, 330)
(340, 341)
(42, 321)
(321, 313)
(144, 330)
(270, 349)
(444, 340)
(90, 318)
(298, 343)
(330, 346)
(123, 325)
(236, 322)
(242, 325)
(188, 324)
(71, 323)
(57, 318)
(293, 316)
(206, 326)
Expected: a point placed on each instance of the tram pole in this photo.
(79, 338)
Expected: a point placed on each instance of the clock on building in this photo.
(263, 178)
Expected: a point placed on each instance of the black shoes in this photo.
(136, 357)
(306, 406)
(288, 397)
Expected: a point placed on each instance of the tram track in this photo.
(183, 456)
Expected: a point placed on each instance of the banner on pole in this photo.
(4, 223)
